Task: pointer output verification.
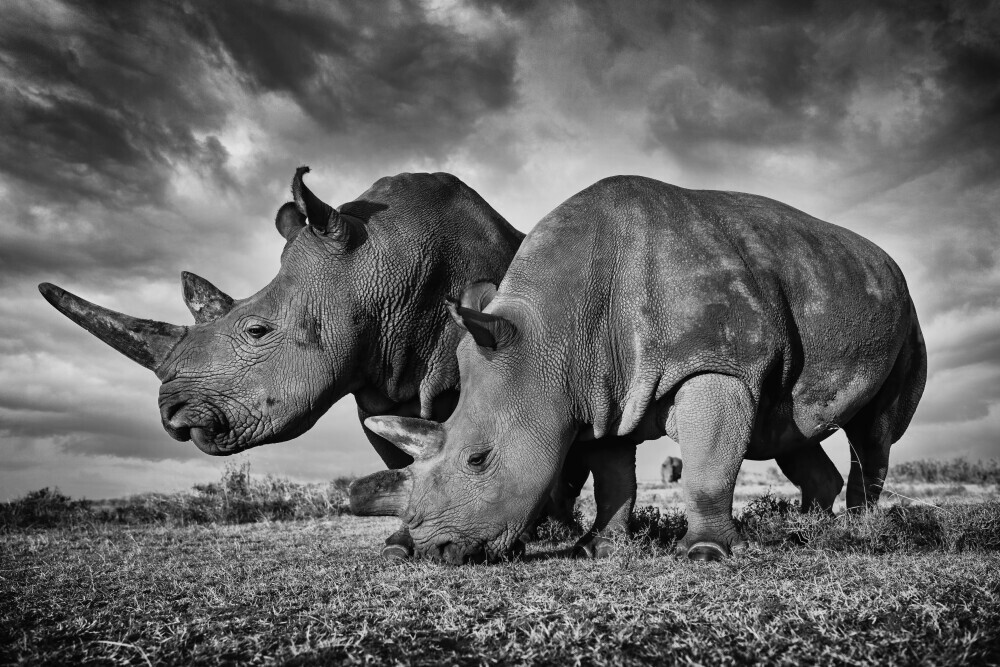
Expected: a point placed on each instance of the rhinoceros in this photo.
(738, 326)
(670, 471)
(356, 307)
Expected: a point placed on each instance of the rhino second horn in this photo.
(146, 342)
(205, 301)
(322, 217)
(385, 493)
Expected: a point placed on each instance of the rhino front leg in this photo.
(814, 473)
(714, 417)
(612, 462)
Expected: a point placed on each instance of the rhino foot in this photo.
(707, 550)
(398, 546)
(593, 546)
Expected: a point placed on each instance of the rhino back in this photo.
(648, 283)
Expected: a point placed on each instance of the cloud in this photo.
(110, 110)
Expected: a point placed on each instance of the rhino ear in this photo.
(478, 295)
(488, 330)
(289, 220)
(205, 301)
(419, 438)
(325, 219)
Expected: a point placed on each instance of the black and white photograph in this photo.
(500, 332)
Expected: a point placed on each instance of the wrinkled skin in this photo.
(357, 307)
(735, 325)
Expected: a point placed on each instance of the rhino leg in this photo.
(883, 421)
(714, 415)
(613, 464)
(562, 499)
(814, 473)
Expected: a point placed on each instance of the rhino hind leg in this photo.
(881, 422)
(714, 420)
(814, 473)
(613, 464)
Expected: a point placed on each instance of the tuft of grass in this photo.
(959, 471)
(552, 531)
(237, 497)
(662, 527)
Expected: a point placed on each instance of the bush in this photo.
(236, 498)
(663, 527)
(959, 471)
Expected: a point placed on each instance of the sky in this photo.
(145, 138)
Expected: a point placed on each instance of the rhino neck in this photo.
(432, 236)
(408, 370)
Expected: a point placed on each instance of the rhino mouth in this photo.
(208, 430)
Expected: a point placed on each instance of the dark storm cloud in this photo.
(102, 103)
(787, 74)
(363, 68)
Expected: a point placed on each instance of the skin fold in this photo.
(734, 324)
(357, 307)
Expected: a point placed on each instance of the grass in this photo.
(903, 585)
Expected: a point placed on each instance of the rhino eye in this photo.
(257, 330)
(478, 460)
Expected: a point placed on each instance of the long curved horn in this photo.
(146, 342)
(205, 301)
(385, 493)
(322, 217)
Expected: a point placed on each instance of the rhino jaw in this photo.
(146, 342)
(385, 493)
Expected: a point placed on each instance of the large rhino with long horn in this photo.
(357, 307)
(735, 325)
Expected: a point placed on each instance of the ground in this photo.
(913, 584)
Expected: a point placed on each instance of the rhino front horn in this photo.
(386, 493)
(419, 438)
(146, 342)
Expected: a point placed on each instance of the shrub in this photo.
(663, 527)
(958, 470)
(237, 497)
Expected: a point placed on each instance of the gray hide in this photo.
(736, 325)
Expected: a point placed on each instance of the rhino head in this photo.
(262, 369)
(480, 478)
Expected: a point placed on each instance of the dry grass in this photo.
(906, 584)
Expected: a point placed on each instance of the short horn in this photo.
(386, 493)
(205, 301)
(322, 217)
(146, 342)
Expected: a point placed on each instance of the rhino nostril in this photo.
(168, 412)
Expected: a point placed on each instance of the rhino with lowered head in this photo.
(357, 307)
(735, 325)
